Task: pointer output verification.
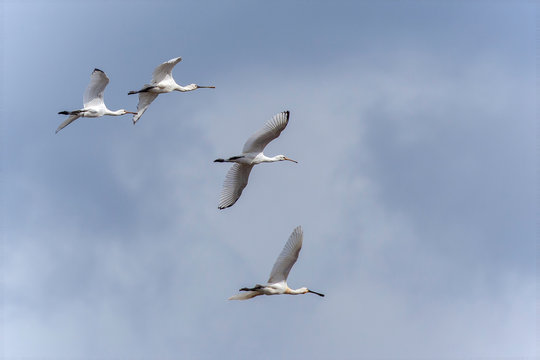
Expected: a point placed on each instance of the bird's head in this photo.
(283, 157)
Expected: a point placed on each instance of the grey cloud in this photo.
(413, 187)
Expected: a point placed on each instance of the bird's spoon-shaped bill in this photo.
(291, 160)
(316, 293)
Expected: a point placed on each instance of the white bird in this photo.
(93, 105)
(162, 82)
(277, 283)
(252, 154)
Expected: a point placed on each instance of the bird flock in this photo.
(237, 177)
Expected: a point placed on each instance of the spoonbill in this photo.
(252, 154)
(162, 82)
(93, 105)
(277, 283)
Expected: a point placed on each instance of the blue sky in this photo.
(414, 127)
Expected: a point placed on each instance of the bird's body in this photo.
(162, 82)
(277, 283)
(252, 154)
(93, 104)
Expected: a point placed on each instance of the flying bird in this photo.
(277, 283)
(252, 154)
(162, 82)
(93, 105)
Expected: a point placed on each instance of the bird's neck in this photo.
(295, 292)
(265, 158)
(186, 88)
(115, 113)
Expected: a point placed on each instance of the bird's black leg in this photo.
(146, 89)
(75, 112)
(257, 287)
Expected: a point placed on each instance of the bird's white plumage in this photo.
(271, 130)
(93, 95)
(277, 283)
(235, 182)
(69, 120)
(163, 72)
(162, 82)
(245, 295)
(287, 258)
(93, 104)
(252, 154)
(145, 99)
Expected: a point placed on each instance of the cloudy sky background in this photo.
(414, 127)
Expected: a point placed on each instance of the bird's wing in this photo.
(145, 99)
(93, 96)
(287, 257)
(68, 121)
(271, 130)
(164, 70)
(244, 295)
(235, 181)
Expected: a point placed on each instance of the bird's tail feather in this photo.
(245, 295)
(146, 88)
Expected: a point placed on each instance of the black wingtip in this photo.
(288, 113)
(225, 207)
(63, 113)
(219, 160)
(96, 69)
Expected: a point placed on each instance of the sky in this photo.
(413, 124)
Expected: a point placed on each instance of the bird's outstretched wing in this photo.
(93, 96)
(245, 295)
(271, 130)
(235, 181)
(287, 257)
(145, 99)
(68, 121)
(164, 70)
